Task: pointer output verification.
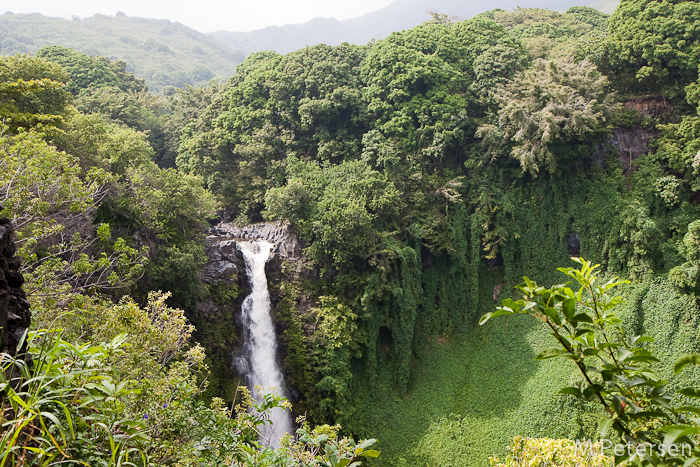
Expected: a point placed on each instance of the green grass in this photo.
(474, 392)
(470, 396)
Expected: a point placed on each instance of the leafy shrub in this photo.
(68, 406)
(544, 452)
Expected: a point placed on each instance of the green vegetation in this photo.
(484, 153)
(615, 366)
(655, 43)
(108, 381)
(162, 53)
(424, 175)
(83, 405)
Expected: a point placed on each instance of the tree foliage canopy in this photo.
(657, 42)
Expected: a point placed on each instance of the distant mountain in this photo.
(606, 6)
(399, 15)
(159, 51)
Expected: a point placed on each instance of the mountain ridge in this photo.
(158, 50)
(397, 16)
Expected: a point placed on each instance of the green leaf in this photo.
(513, 305)
(691, 409)
(592, 390)
(576, 392)
(568, 307)
(622, 354)
(604, 427)
(673, 432)
(637, 381)
(499, 312)
(553, 314)
(647, 414)
(367, 443)
(552, 352)
(370, 453)
(643, 358)
(485, 318)
(582, 318)
(685, 360)
(690, 392)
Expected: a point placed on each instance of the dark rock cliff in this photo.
(632, 143)
(15, 316)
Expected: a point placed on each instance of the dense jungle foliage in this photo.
(425, 175)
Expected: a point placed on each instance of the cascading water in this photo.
(260, 342)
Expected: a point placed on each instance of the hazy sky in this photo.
(204, 15)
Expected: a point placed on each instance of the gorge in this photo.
(402, 190)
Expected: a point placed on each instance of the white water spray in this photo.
(260, 341)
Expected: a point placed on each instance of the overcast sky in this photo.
(204, 15)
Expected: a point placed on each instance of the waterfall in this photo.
(260, 342)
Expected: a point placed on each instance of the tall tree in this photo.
(655, 44)
(32, 92)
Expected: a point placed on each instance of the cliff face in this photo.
(15, 316)
(650, 106)
(635, 142)
(632, 144)
(226, 266)
(286, 244)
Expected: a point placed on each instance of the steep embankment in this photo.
(474, 392)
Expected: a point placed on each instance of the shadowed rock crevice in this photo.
(15, 316)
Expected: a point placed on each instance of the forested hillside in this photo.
(423, 175)
(160, 52)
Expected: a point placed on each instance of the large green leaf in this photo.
(499, 312)
(552, 352)
(568, 307)
(553, 314)
(690, 392)
(685, 360)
